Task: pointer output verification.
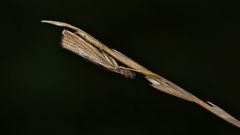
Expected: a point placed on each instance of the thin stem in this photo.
(157, 81)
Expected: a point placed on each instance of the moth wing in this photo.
(79, 46)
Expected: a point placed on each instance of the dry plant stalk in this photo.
(83, 44)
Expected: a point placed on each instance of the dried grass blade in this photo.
(90, 48)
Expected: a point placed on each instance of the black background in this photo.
(48, 90)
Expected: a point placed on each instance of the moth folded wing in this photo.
(79, 46)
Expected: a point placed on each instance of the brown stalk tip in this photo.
(52, 22)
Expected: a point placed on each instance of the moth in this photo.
(78, 45)
(83, 44)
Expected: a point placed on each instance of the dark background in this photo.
(48, 90)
